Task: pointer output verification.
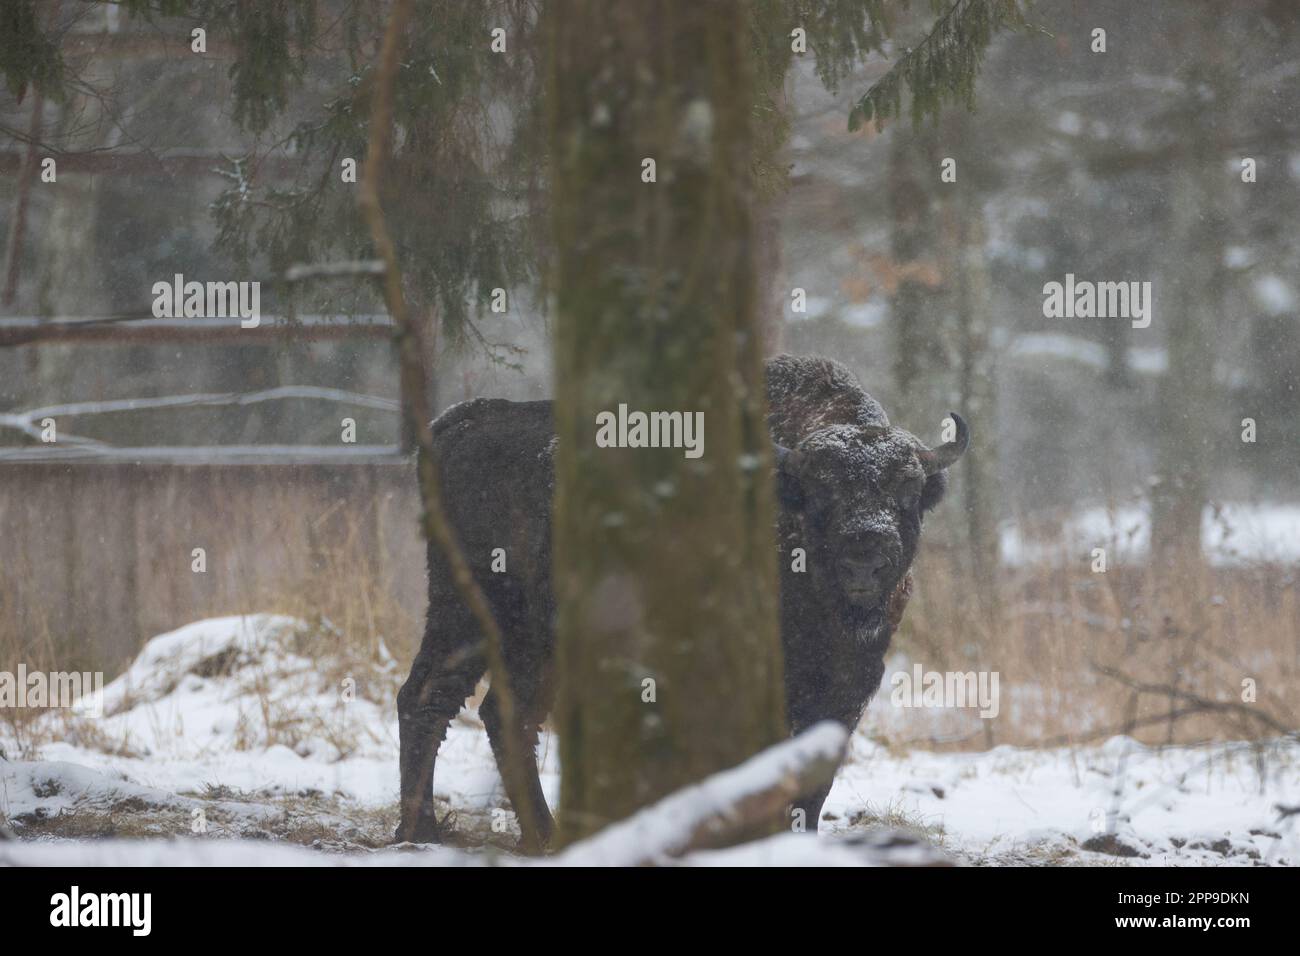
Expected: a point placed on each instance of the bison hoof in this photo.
(426, 828)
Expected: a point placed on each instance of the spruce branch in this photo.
(943, 67)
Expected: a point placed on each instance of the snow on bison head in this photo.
(853, 496)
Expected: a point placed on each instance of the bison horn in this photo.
(937, 459)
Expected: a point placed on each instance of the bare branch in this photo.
(1196, 703)
(416, 411)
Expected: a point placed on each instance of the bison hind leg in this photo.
(425, 826)
(442, 676)
(527, 705)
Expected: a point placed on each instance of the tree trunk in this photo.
(1187, 391)
(977, 386)
(1192, 293)
(922, 284)
(773, 296)
(668, 662)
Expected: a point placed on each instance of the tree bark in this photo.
(665, 566)
(1187, 390)
(977, 388)
(18, 224)
(921, 366)
(773, 296)
(1188, 304)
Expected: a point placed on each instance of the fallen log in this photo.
(719, 809)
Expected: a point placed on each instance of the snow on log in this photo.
(725, 804)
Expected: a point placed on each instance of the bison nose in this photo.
(873, 565)
(868, 570)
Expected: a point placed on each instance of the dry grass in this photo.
(346, 595)
(1080, 655)
(350, 567)
(895, 816)
(33, 645)
(1162, 656)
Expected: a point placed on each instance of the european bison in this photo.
(851, 491)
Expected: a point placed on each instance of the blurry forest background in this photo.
(1123, 165)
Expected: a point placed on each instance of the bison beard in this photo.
(851, 489)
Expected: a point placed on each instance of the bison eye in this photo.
(909, 494)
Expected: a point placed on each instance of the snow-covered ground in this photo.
(221, 745)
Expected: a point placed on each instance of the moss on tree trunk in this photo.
(665, 567)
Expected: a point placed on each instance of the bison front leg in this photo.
(441, 678)
(809, 808)
(841, 696)
(806, 814)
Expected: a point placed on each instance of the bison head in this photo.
(854, 495)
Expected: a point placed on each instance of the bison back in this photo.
(495, 460)
(805, 393)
